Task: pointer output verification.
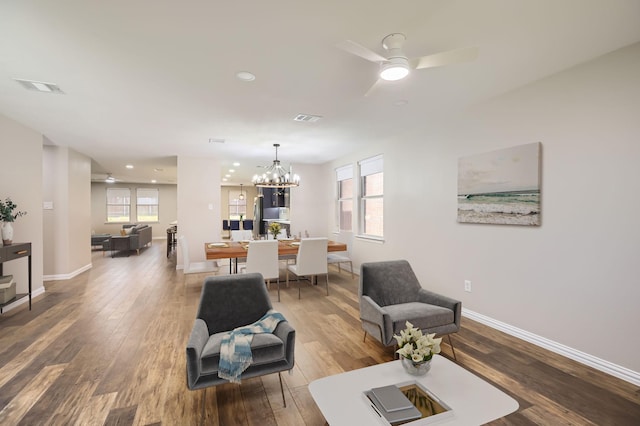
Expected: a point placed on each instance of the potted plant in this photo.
(417, 349)
(274, 229)
(7, 215)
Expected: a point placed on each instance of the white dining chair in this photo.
(262, 257)
(241, 235)
(190, 268)
(338, 259)
(311, 260)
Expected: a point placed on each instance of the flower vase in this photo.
(7, 233)
(415, 368)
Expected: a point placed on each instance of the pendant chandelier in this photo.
(241, 197)
(276, 176)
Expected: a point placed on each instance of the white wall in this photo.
(308, 199)
(66, 227)
(573, 279)
(21, 179)
(199, 217)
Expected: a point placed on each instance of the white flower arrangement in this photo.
(416, 346)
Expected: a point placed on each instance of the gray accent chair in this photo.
(390, 295)
(228, 302)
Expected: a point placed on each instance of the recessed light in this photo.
(245, 76)
(129, 166)
(157, 170)
(232, 171)
(224, 180)
(153, 181)
(227, 176)
(236, 164)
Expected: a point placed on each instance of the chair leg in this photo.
(365, 337)
(299, 287)
(278, 289)
(284, 401)
(452, 348)
(327, 283)
(351, 267)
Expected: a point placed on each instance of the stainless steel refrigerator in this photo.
(259, 227)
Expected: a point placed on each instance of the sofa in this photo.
(135, 236)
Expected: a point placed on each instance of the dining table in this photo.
(238, 249)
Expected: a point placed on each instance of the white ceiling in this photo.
(145, 81)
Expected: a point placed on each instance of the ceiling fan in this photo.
(111, 179)
(397, 65)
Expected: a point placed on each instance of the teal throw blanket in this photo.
(235, 350)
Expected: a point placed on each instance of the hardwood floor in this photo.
(107, 348)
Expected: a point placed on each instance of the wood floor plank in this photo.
(20, 405)
(108, 347)
(95, 411)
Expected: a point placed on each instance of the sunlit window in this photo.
(344, 199)
(372, 197)
(118, 205)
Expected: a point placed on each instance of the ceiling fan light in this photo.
(394, 71)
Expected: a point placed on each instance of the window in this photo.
(344, 207)
(237, 207)
(118, 205)
(372, 197)
(147, 200)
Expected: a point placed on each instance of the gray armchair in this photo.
(228, 302)
(390, 295)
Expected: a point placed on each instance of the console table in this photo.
(16, 251)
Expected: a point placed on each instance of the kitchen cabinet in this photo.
(276, 197)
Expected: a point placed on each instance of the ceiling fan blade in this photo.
(465, 54)
(361, 51)
(373, 87)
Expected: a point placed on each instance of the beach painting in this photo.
(500, 187)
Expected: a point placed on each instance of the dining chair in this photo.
(262, 257)
(339, 258)
(237, 235)
(311, 260)
(240, 235)
(188, 267)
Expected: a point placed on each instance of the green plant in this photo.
(6, 210)
(416, 346)
(274, 228)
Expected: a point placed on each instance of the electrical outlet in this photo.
(467, 286)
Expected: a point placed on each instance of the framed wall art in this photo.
(500, 187)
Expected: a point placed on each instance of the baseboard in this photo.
(60, 277)
(24, 300)
(574, 354)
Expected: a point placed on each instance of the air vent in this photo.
(39, 86)
(307, 118)
(216, 140)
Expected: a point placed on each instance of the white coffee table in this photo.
(473, 401)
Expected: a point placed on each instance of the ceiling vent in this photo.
(216, 140)
(39, 86)
(307, 118)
